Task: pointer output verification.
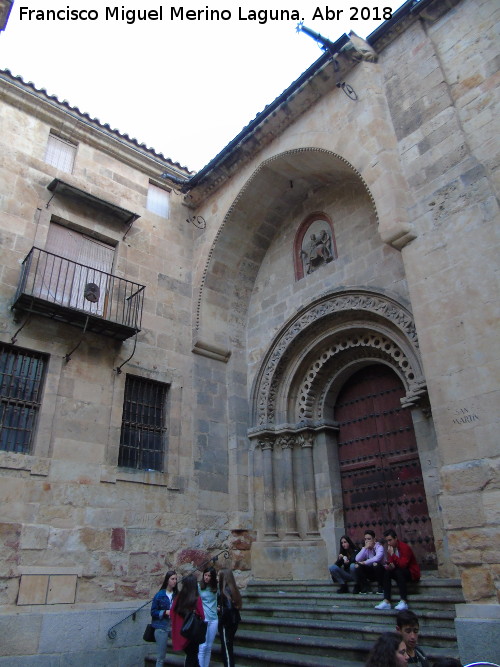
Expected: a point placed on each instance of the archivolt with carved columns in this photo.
(290, 508)
(364, 325)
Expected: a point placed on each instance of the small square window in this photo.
(60, 153)
(143, 433)
(21, 380)
(158, 201)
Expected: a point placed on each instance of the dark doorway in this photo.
(380, 470)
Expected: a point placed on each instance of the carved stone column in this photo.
(306, 441)
(288, 488)
(270, 530)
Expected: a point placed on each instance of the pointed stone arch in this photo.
(247, 230)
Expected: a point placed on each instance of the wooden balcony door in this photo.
(381, 477)
(90, 262)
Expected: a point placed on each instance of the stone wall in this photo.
(67, 503)
(45, 636)
(440, 81)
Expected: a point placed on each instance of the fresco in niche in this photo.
(317, 246)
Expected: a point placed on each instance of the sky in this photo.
(183, 83)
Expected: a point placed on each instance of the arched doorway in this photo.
(381, 477)
(344, 346)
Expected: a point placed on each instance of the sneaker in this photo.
(383, 605)
(343, 589)
(401, 605)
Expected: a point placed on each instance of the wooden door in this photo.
(381, 477)
(90, 261)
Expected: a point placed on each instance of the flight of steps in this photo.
(307, 624)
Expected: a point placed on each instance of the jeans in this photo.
(402, 576)
(342, 576)
(161, 638)
(206, 648)
(191, 659)
(227, 633)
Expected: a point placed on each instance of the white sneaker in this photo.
(401, 605)
(383, 605)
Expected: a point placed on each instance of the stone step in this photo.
(428, 618)
(428, 585)
(306, 624)
(437, 637)
(318, 601)
(260, 657)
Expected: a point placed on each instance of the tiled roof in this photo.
(7, 74)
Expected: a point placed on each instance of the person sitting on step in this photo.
(369, 564)
(343, 570)
(402, 566)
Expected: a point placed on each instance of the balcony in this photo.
(82, 296)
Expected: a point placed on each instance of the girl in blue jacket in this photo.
(160, 614)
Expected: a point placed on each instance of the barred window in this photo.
(21, 381)
(60, 153)
(143, 434)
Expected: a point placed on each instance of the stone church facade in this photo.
(298, 341)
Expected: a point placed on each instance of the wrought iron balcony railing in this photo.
(86, 297)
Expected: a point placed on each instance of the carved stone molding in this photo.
(371, 345)
(397, 346)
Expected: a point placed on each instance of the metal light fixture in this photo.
(92, 292)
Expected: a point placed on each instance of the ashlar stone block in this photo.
(34, 537)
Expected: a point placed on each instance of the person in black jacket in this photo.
(344, 568)
(229, 605)
(407, 625)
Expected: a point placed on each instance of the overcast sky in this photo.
(183, 87)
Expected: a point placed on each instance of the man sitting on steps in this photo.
(402, 566)
(369, 564)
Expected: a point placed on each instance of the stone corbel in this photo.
(415, 395)
(211, 351)
(398, 235)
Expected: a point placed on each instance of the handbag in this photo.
(149, 633)
(194, 628)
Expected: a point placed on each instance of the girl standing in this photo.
(229, 603)
(185, 601)
(160, 614)
(208, 594)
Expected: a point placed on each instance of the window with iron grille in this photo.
(21, 381)
(143, 434)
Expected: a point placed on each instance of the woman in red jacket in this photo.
(402, 566)
(187, 600)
